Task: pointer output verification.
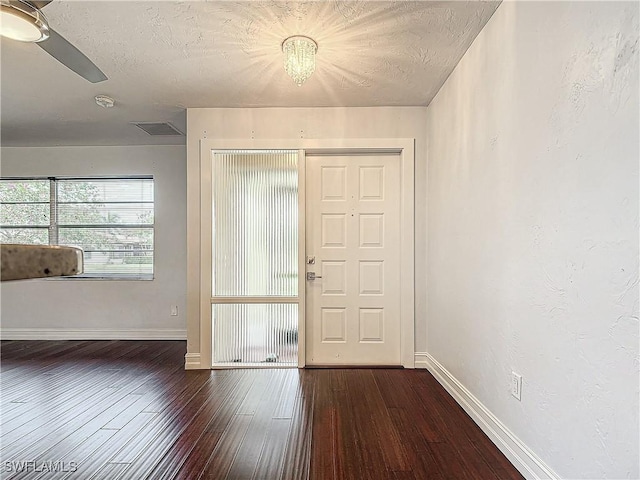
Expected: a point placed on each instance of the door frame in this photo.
(404, 147)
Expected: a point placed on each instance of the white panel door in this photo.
(353, 239)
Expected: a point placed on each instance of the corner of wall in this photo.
(519, 454)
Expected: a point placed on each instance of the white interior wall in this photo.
(69, 308)
(308, 123)
(533, 230)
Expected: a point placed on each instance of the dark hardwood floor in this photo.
(128, 410)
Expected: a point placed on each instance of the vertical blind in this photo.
(111, 219)
(255, 333)
(255, 254)
(255, 205)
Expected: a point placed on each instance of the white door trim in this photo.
(403, 146)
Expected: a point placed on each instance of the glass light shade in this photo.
(22, 22)
(299, 57)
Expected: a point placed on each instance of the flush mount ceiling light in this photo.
(299, 57)
(22, 21)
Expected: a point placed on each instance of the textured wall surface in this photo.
(108, 304)
(533, 229)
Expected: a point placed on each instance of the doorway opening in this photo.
(265, 289)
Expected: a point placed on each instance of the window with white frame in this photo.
(111, 219)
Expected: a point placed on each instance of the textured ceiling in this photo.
(164, 56)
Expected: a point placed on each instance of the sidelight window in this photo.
(255, 257)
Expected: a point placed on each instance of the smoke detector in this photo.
(105, 101)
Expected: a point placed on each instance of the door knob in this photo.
(312, 276)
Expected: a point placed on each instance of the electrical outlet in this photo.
(174, 310)
(516, 385)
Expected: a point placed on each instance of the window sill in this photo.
(142, 278)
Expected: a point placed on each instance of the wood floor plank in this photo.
(287, 397)
(111, 471)
(160, 433)
(48, 363)
(144, 396)
(42, 451)
(220, 461)
(65, 417)
(390, 441)
(252, 445)
(36, 382)
(457, 426)
(127, 410)
(323, 461)
(47, 426)
(397, 389)
(358, 429)
(99, 460)
(423, 464)
(56, 389)
(297, 457)
(214, 415)
(37, 349)
(80, 453)
(270, 463)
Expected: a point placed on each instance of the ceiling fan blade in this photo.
(40, 4)
(71, 57)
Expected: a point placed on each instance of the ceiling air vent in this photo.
(155, 128)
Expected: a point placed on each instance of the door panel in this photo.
(352, 232)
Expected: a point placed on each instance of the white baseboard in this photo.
(420, 360)
(91, 334)
(192, 361)
(521, 456)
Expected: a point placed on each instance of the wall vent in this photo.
(158, 128)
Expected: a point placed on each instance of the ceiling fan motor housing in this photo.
(23, 21)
